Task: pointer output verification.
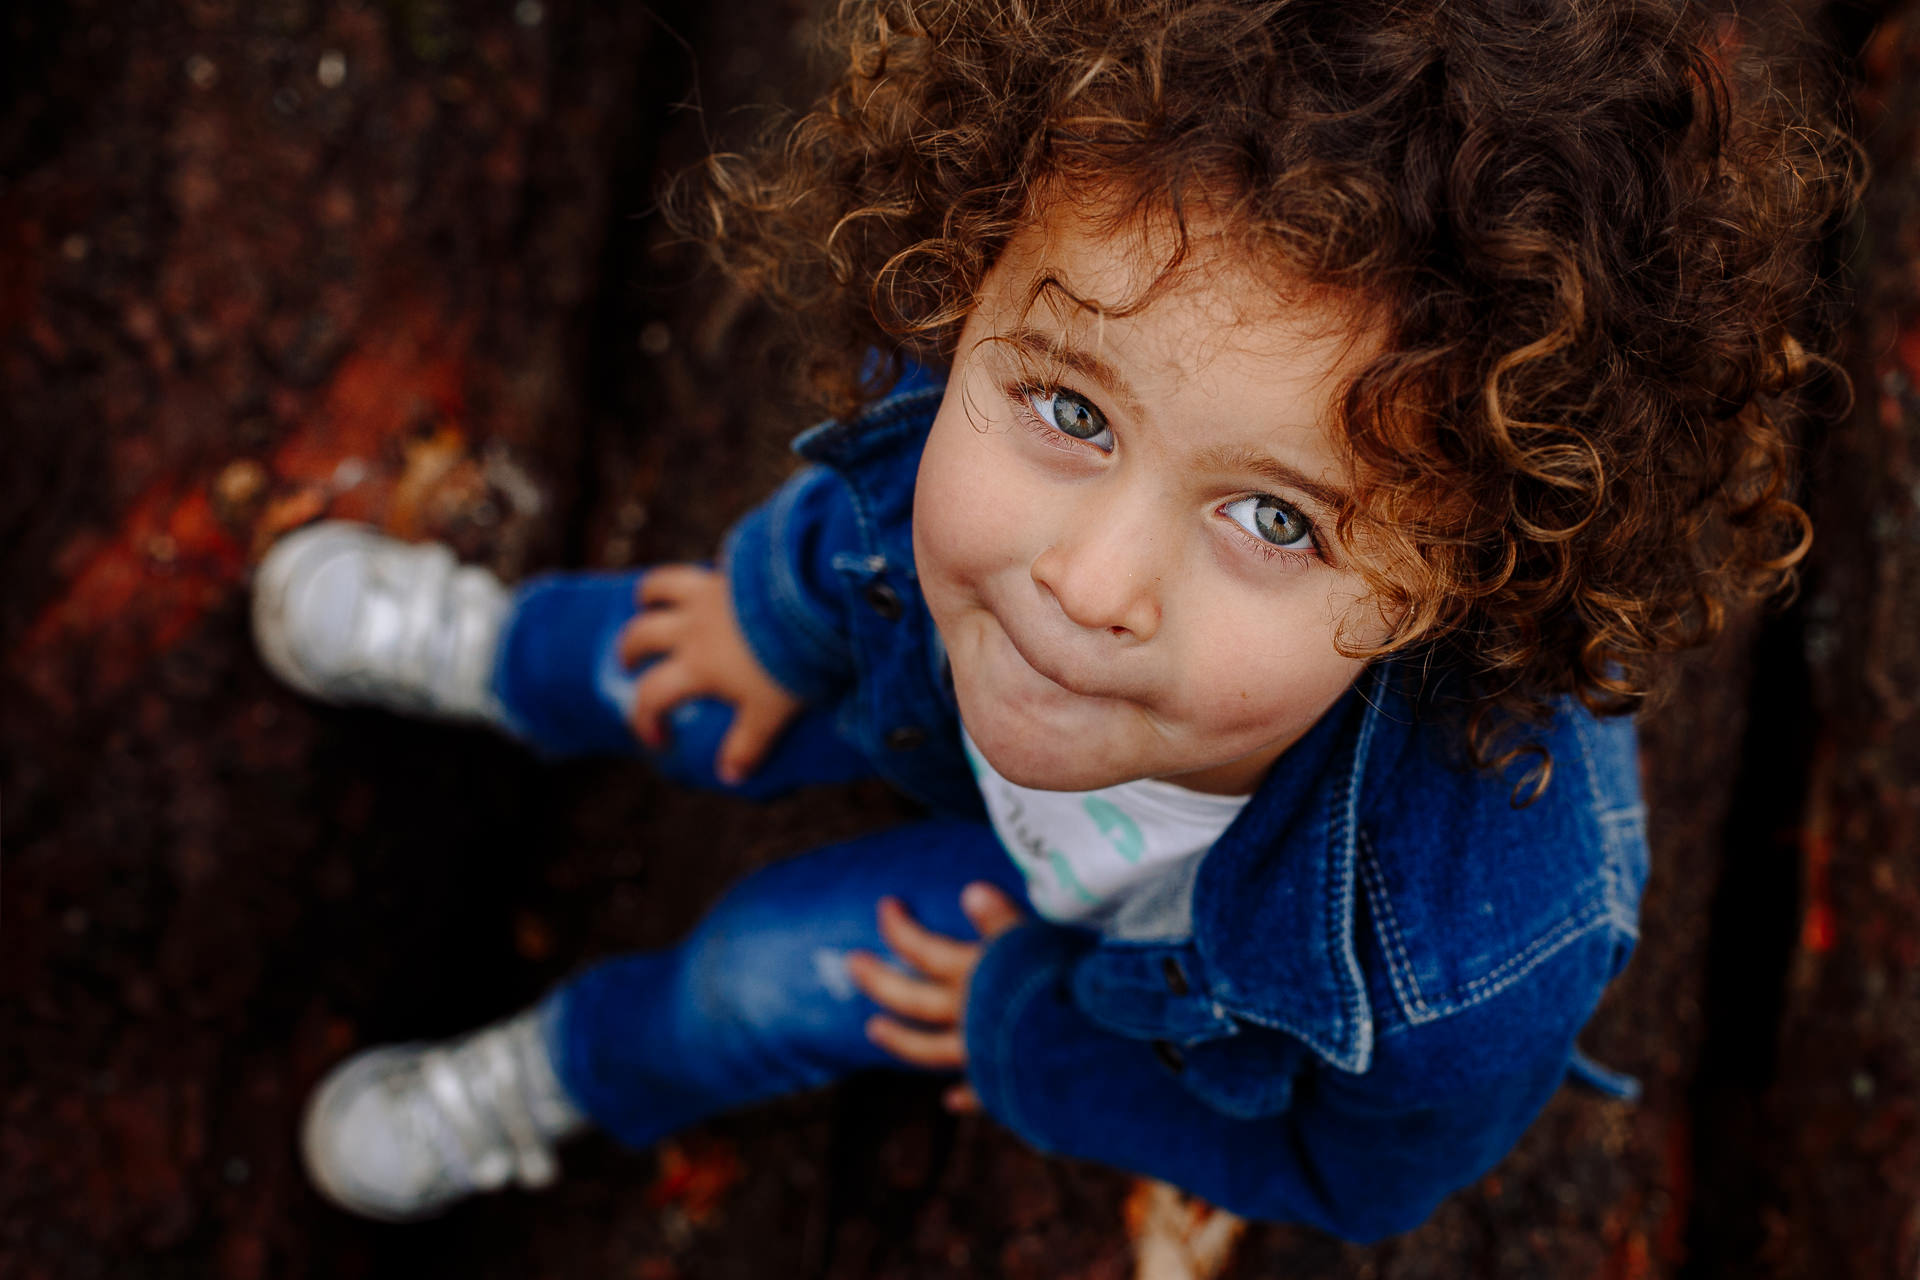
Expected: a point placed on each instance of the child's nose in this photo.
(1104, 578)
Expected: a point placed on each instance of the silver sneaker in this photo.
(403, 1131)
(345, 614)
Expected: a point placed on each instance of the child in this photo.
(1313, 417)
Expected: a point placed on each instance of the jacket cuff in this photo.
(1019, 990)
(781, 598)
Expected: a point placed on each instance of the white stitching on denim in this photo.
(1602, 815)
(861, 516)
(1579, 721)
(1351, 980)
(1516, 967)
(1618, 837)
(1399, 963)
(1610, 819)
(1406, 988)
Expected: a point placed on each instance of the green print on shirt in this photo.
(1039, 854)
(1120, 830)
(1064, 869)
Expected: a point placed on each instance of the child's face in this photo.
(1133, 569)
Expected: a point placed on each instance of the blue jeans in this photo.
(757, 1001)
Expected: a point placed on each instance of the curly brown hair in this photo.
(1591, 227)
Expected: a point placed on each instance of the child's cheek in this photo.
(1240, 711)
(1253, 686)
(968, 514)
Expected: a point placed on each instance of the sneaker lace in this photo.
(475, 1111)
(418, 633)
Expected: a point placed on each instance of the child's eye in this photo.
(1272, 521)
(1072, 415)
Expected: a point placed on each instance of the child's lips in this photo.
(1063, 675)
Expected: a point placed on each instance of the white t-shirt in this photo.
(1120, 860)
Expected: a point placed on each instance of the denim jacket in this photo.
(1389, 961)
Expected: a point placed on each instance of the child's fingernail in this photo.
(976, 897)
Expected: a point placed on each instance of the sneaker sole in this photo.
(317, 1122)
(274, 579)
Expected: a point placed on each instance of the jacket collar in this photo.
(1273, 907)
(877, 431)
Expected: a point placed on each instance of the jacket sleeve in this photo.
(779, 566)
(1361, 1156)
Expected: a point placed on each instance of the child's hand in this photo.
(687, 616)
(932, 1000)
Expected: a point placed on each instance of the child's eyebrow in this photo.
(1085, 363)
(1244, 459)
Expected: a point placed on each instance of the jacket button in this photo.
(1176, 977)
(1169, 1055)
(883, 600)
(905, 738)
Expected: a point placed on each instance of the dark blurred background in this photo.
(397, 260)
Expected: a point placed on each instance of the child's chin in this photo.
(1024, 764)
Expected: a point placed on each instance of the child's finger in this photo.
(900, 993)
(670, 583)
(655, 631)
(931, 953)
(991, 911)
(755, 725)
(961, 1099)
(921, 1048)
(664, 686)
